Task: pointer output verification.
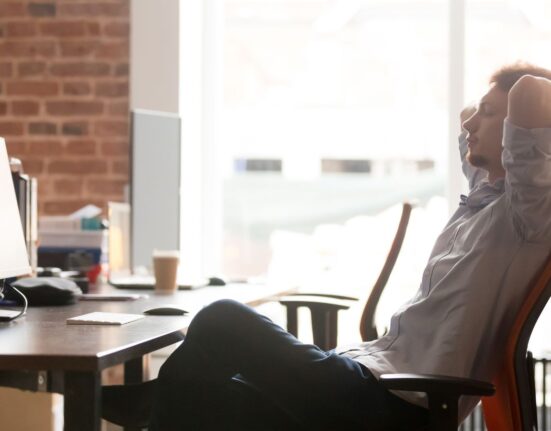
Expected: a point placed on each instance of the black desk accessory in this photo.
(166, 310)
(46, 290)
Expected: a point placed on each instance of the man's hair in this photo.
(506, 76)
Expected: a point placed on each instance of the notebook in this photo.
(148, 282)
(103, 318)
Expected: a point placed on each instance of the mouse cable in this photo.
(3, 284)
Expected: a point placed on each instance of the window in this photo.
(331, 110)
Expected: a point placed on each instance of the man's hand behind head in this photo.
(530, 102)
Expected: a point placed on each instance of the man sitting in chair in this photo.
(236, 370)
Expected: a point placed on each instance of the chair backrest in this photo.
(512, 408)
(368, 330)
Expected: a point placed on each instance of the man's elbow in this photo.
(530, 102)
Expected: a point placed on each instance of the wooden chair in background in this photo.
(324, 308)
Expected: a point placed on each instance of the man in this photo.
(236, 370)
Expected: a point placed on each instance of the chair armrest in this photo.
(325, 295)
(429, 383)
(443, 393)
(323, 310)
(317, 301)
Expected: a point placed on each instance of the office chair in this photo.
(324, 308)
(513, 408)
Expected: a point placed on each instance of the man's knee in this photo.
(530, 102)
(220, 314)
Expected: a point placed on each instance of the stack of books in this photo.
(73, 242)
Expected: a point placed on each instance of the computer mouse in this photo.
(216, 281)
(166, 310)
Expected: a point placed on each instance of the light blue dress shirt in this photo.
(478, 274)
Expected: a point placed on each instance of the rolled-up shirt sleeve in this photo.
(473, 175)
(527, 161)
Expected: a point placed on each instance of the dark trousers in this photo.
(237, 370)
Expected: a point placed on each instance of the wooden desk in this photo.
(41, 352)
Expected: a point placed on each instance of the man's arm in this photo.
(527, 157)
(530, 103)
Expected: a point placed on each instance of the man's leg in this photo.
(308, 385)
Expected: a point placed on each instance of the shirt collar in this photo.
(483, 194)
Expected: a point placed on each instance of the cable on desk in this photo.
(3, 285)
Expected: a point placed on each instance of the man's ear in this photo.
(530, 102)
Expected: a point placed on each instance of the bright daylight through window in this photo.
(324, 107)
(335, 111)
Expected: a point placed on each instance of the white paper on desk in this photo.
(111, 296)
(102, 318)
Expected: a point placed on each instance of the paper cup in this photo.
(165, 266)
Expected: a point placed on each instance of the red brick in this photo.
(82, 48)
(116, 50)
(76, 128)
(120, 167)
(20, 29)
(24, 107)
(45, 148)
(115, 148)
(30, 68)
(84, 147)
(6, 70)
(11, 128)
(63, 29)
(122, 69)
(80, 69)
(3, 108)
(73, 107)
(42, 9)
(94, 9)
(111, 128)
(42, 128)
(68, 186)
(106, 186)
(11, 9)
(33, 48)
(118, 108)
(77, 167)
(112, 89)
(32, 88)
(117, 29)
(93, 28)
(33, 166)
(16, 148)
(76, 88)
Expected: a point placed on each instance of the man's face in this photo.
(485, 129)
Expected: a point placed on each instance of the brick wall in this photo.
(64, 97)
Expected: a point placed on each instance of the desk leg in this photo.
(82, 401)
(133, 373)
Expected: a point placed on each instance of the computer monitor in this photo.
(155, 184)
(14, 260)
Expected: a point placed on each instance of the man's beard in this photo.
(476, 160)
